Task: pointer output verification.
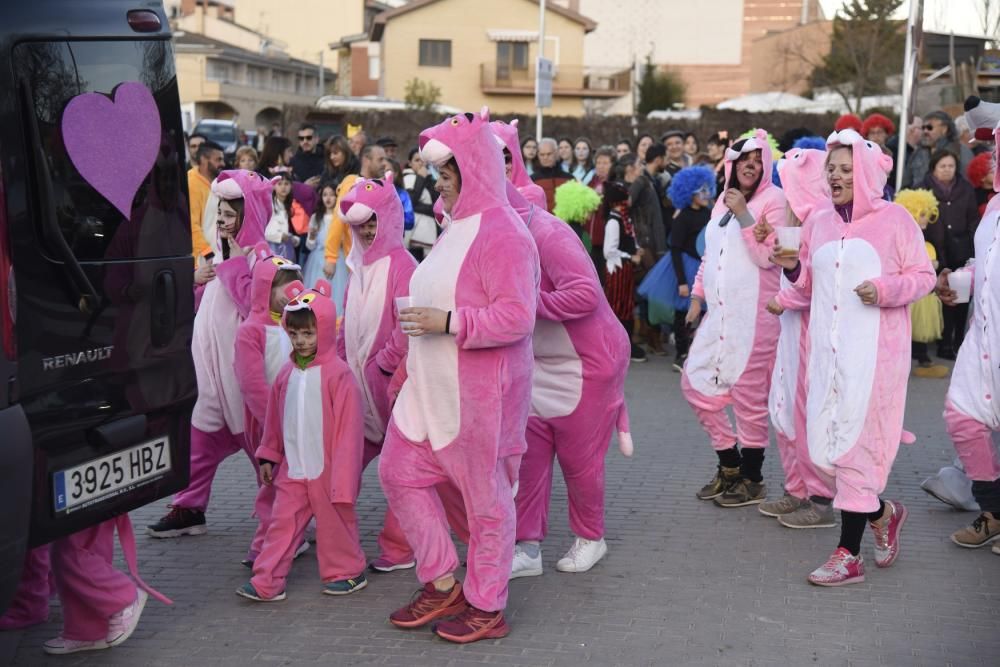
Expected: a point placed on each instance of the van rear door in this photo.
(101, 248)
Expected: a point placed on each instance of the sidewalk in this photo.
(685, 583)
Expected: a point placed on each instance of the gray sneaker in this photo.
(810, 515)
(786, 504)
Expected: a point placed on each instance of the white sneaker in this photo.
(524, 565)
(122, 624)
(583, 555)
(62, 646)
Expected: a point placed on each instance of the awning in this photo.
(512, 35)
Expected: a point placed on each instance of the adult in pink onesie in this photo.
(578, 387)
(732, 355)
(808, 492)
(262, 349)
(461, 414)
(972, 408)
(314, 436)
(861, 264)
(371, 340)
(217, 421)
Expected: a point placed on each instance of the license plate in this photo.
(111, 475)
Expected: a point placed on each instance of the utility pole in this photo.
(541, 54)
(914, 29)
(322, 76)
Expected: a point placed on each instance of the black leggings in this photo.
(852, 527)
(954, 325)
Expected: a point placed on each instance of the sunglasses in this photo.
(928, 128)
(306, 137)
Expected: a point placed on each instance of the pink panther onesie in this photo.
(217, 421)
(859, 360)
(732, 355)
(461, 414)
(972, 408)
(371, 340)
(578, 387)
(262, 349)
(803, 179)
(314, 434)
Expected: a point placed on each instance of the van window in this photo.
(55, 73)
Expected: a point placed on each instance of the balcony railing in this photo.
(569, 80)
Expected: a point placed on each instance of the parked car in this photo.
(226, 133)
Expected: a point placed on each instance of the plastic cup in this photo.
(961, 283)
(789, 239)
(402, 303)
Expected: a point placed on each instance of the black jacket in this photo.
(958, 218)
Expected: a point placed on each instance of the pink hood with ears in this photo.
(757, 142)
(803, 178)
(262, 277)
(256, 194)
(319, 302)
(379, 197)
(871, 170)
(467, 137)
(507, 137)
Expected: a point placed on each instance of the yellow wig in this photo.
(919, 202)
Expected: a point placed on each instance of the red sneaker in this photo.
(429, 604)
(887, 536)
(841, 568)
(472, 625)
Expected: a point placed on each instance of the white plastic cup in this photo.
(961, 283)
(789, 239)
(402, 303)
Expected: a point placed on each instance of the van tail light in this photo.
(8, 290)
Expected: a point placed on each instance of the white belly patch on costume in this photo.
(844, 343)
(362, 321)
(277, 351)
(557, 378)
(428, 407)
(303, 427)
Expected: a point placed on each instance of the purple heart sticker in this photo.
(113, 141)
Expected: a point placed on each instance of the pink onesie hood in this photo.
(262, 277)
(468, 138)
(507, 137)
(803, 178)
(758, 142)
(871, 169)
(379, 197)
(256, 194)
(319, 302)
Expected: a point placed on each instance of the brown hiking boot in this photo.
(472, 625)
(985, 529)
(724, 477)
(429, 604)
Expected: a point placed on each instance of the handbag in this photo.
(425, 231)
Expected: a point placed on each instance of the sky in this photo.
(960, 16)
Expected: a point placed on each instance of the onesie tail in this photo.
(625, 444)
(907, 438)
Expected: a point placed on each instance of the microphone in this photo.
(726, 218)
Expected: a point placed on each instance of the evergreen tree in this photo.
(658, 89)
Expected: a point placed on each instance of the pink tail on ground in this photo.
(625, 444)
(907, 438)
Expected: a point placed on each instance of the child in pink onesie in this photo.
(732, 355)
(311, 452)
(972, 408)
(861, 262)
(262, 349)
(371, 340)
(461, 414)
(217, 420)
(808, 498)
(578, 388)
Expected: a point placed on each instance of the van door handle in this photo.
(87, 297)
(163, 309)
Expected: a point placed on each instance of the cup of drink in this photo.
(402, 303)
(961, 283)
(789, 240)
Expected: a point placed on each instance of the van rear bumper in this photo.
(16, 474)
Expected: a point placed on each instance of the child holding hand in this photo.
(311, 452)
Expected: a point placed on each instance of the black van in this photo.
(96, 305)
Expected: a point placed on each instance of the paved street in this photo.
(684, 583)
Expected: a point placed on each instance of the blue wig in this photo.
(819, 143)
(688, 181)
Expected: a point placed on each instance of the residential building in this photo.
(358, 61)
(219, 80)
(479, 57)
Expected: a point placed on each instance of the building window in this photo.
(512, 57)
(217, 70)
(435, 53)
(374, 66)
